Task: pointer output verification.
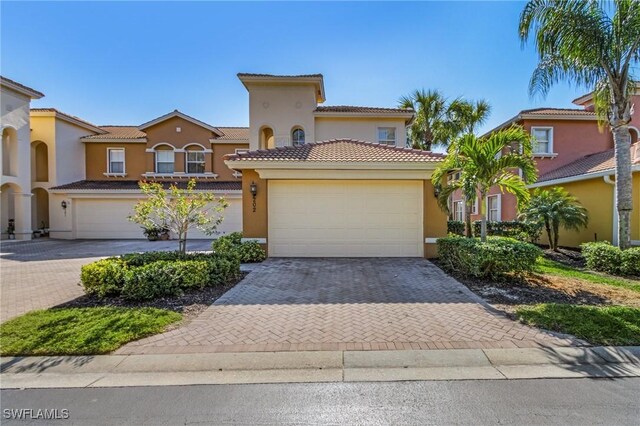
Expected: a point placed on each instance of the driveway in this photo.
(43, 273)
(346, 304)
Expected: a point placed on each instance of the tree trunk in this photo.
(547, 227)
(467, 218)
(623, 187)
(483, 216)
(556, 236)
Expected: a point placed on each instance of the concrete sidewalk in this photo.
(321, 366)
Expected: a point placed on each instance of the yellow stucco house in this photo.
(591, 179)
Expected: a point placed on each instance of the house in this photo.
(332, 180)
(567, 145)
(113, 159)
(15, 183)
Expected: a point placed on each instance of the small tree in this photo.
(555, 208)
(178, 210)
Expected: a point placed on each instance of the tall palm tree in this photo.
(555, 208)
(487, 162)
(592, 44)
(431, 124)
(465, 117)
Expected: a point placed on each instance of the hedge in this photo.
(523, 231)
(231, 244)
(139, 276)
(494, 258)
(455, 227)
(603, 257)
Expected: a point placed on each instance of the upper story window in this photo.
(493, 204)
(195, 161)
(297, 137)
(115, 160)
(387, 135)
(542, 140)
(164, 160)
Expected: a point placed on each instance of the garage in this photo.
(345, 218)
(106, 218)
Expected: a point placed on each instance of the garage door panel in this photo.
(345, 218)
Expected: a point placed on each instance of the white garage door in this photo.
(107, 219)
(345, 218)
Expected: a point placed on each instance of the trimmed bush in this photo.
(455, 227)
(232, 245)
(139, 276)
(493, 259)
(105, 277)
(523, 231)
(603, 257)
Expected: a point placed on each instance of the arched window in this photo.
(194, 158)
(297, 137)
(164, 159)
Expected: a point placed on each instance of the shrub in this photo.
(232, 245)
(603, 257)
(455, 227)
(523, 231)
(105, 277)
(495, 258)
(164, 278)
(631, 261)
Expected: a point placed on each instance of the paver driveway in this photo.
(43, 273)
(352, 304)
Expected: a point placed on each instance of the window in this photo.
(195, 161)
(493, 202)
(164, 161)
(297, 137)
(458, 210)
(387, 135)
(116, 160)
(474, 209)
(542, 140)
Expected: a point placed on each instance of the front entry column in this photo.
(22, 215)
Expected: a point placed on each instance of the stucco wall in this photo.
(254, 224)
(219, 151)
(435, 220)
(69, 153)
(134, 158)
(364, 128)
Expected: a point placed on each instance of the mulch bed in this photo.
(567, 257)
(190, 304)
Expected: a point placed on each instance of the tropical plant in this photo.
(487, 162)
(431, 123)
(592, 44)
(555, 208)
(178, 210)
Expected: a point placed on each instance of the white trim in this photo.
(241, 150)
(181, 175)
(390, 114)
(430, 240)
(257, 240)
(237, 174)
(155, 147)
(196, 144)
(132, 193)
(530, 116)
(115, 174)
(124, 162)
(635, 242)
(346, 174)
(21, 89)
(549, 151)
(331, 165)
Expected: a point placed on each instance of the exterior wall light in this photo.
(254, 191)
(64, 206)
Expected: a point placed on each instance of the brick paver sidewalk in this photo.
(346, 304)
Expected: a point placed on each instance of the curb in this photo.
(320, 366)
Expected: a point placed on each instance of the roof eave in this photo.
(68, 119)
(332, 165)
(318, 81)
(23, 90)
(576, 178)
(114, 140)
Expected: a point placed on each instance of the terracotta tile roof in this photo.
(10, 82)
(65, 115)
(340, 150)
(558, 111)
(132, 185)
(234, 133)
(360, 109)
(248, 74)
(118, 132)
(593, 163)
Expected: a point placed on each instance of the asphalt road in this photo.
(563, 401)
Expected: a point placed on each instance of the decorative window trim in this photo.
(124, 162)
(387, 141)
(549, 152)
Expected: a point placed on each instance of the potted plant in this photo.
(152, 232)
(11, 229)
(164, 233)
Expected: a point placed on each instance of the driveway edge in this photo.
(320, 366)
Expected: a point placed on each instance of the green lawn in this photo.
(80, 331)
(547, 266)
(599, 325)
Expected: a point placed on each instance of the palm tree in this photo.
(555, 208)
(487, 162)
(465, 117)
(592, 44)
(431, 124)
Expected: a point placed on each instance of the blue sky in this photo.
(127, 63)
